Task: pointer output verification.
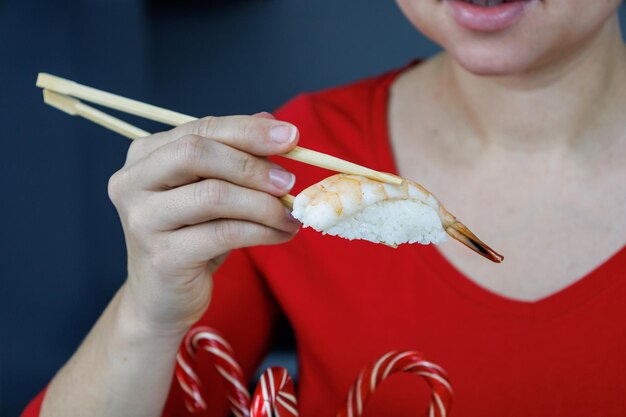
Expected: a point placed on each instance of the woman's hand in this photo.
(185, 198)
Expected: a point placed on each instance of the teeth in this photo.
(485, 3)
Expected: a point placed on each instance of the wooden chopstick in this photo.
(75, 107)
(148, 111)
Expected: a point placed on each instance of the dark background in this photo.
(62, 251)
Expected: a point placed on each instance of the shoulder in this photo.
(350, 96)
(338, 121)
(348, 104)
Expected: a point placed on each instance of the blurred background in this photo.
(63, 253)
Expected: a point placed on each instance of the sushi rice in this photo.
(355, 207)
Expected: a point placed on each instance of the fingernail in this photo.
(282, 179)
(292, 219)
(283, 133)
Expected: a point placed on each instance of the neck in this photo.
(555, 106)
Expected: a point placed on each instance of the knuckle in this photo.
(138, 148)
(228, 233)
(211, 192)
(268, 208)
(117, 185)
(189, 148)
(205, 127)
(248, 167)
(247, 129)
(136, 222)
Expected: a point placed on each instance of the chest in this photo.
(553, 219)
(357, 301)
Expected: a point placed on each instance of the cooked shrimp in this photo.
(356, 207)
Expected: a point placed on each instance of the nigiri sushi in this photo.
(355, 207)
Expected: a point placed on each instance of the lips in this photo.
(488, 3)
(488, 15)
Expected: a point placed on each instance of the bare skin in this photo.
(540, 159)
(185, 198)
(526, 124)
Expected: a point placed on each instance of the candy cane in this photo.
(393, 362)
(221, 354)
(274, 395)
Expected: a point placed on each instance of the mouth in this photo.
(488, 15)
(490, 3)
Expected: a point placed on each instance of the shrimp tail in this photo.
(460, 232)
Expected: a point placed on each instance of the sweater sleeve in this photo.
(242, 307)
(32, 409)
(244, 312)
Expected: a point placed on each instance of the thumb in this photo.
(264, 115)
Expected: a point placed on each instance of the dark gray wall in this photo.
(62, 247)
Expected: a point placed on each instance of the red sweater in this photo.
(350, 302)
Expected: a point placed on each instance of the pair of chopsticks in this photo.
(65, 95)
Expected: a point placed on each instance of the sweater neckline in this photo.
(571, 297)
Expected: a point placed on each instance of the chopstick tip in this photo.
(52, 82)
(61, 102)
(41, 79)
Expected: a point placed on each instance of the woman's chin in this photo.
(484, 68)
(493, 63)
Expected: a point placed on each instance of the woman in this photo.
(517, 127)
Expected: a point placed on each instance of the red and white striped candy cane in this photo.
(274, 395)
(393, 362)
(221, 354)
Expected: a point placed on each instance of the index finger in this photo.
(257, 135)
